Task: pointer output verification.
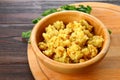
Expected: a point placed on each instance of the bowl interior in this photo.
(67, 17)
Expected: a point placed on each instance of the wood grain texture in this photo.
(15, 17)
(23, 11)
(13, 57)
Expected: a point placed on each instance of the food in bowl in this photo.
(74, 42)
(69, 16)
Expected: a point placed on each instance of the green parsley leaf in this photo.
(26, 34)
(34, 21)
(88, 9)
(68, 7)
(84, 9)
(110, 32)
(49, 11)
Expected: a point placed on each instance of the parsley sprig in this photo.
(49, 11)
(110, 32)
(81, 8)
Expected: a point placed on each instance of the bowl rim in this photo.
(41, 56)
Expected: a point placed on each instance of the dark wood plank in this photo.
(15, 72)
(11, 45)
(13, 53)
(23, 11)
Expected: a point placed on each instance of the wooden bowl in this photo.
(66, 17)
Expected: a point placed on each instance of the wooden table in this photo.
(16, 17)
